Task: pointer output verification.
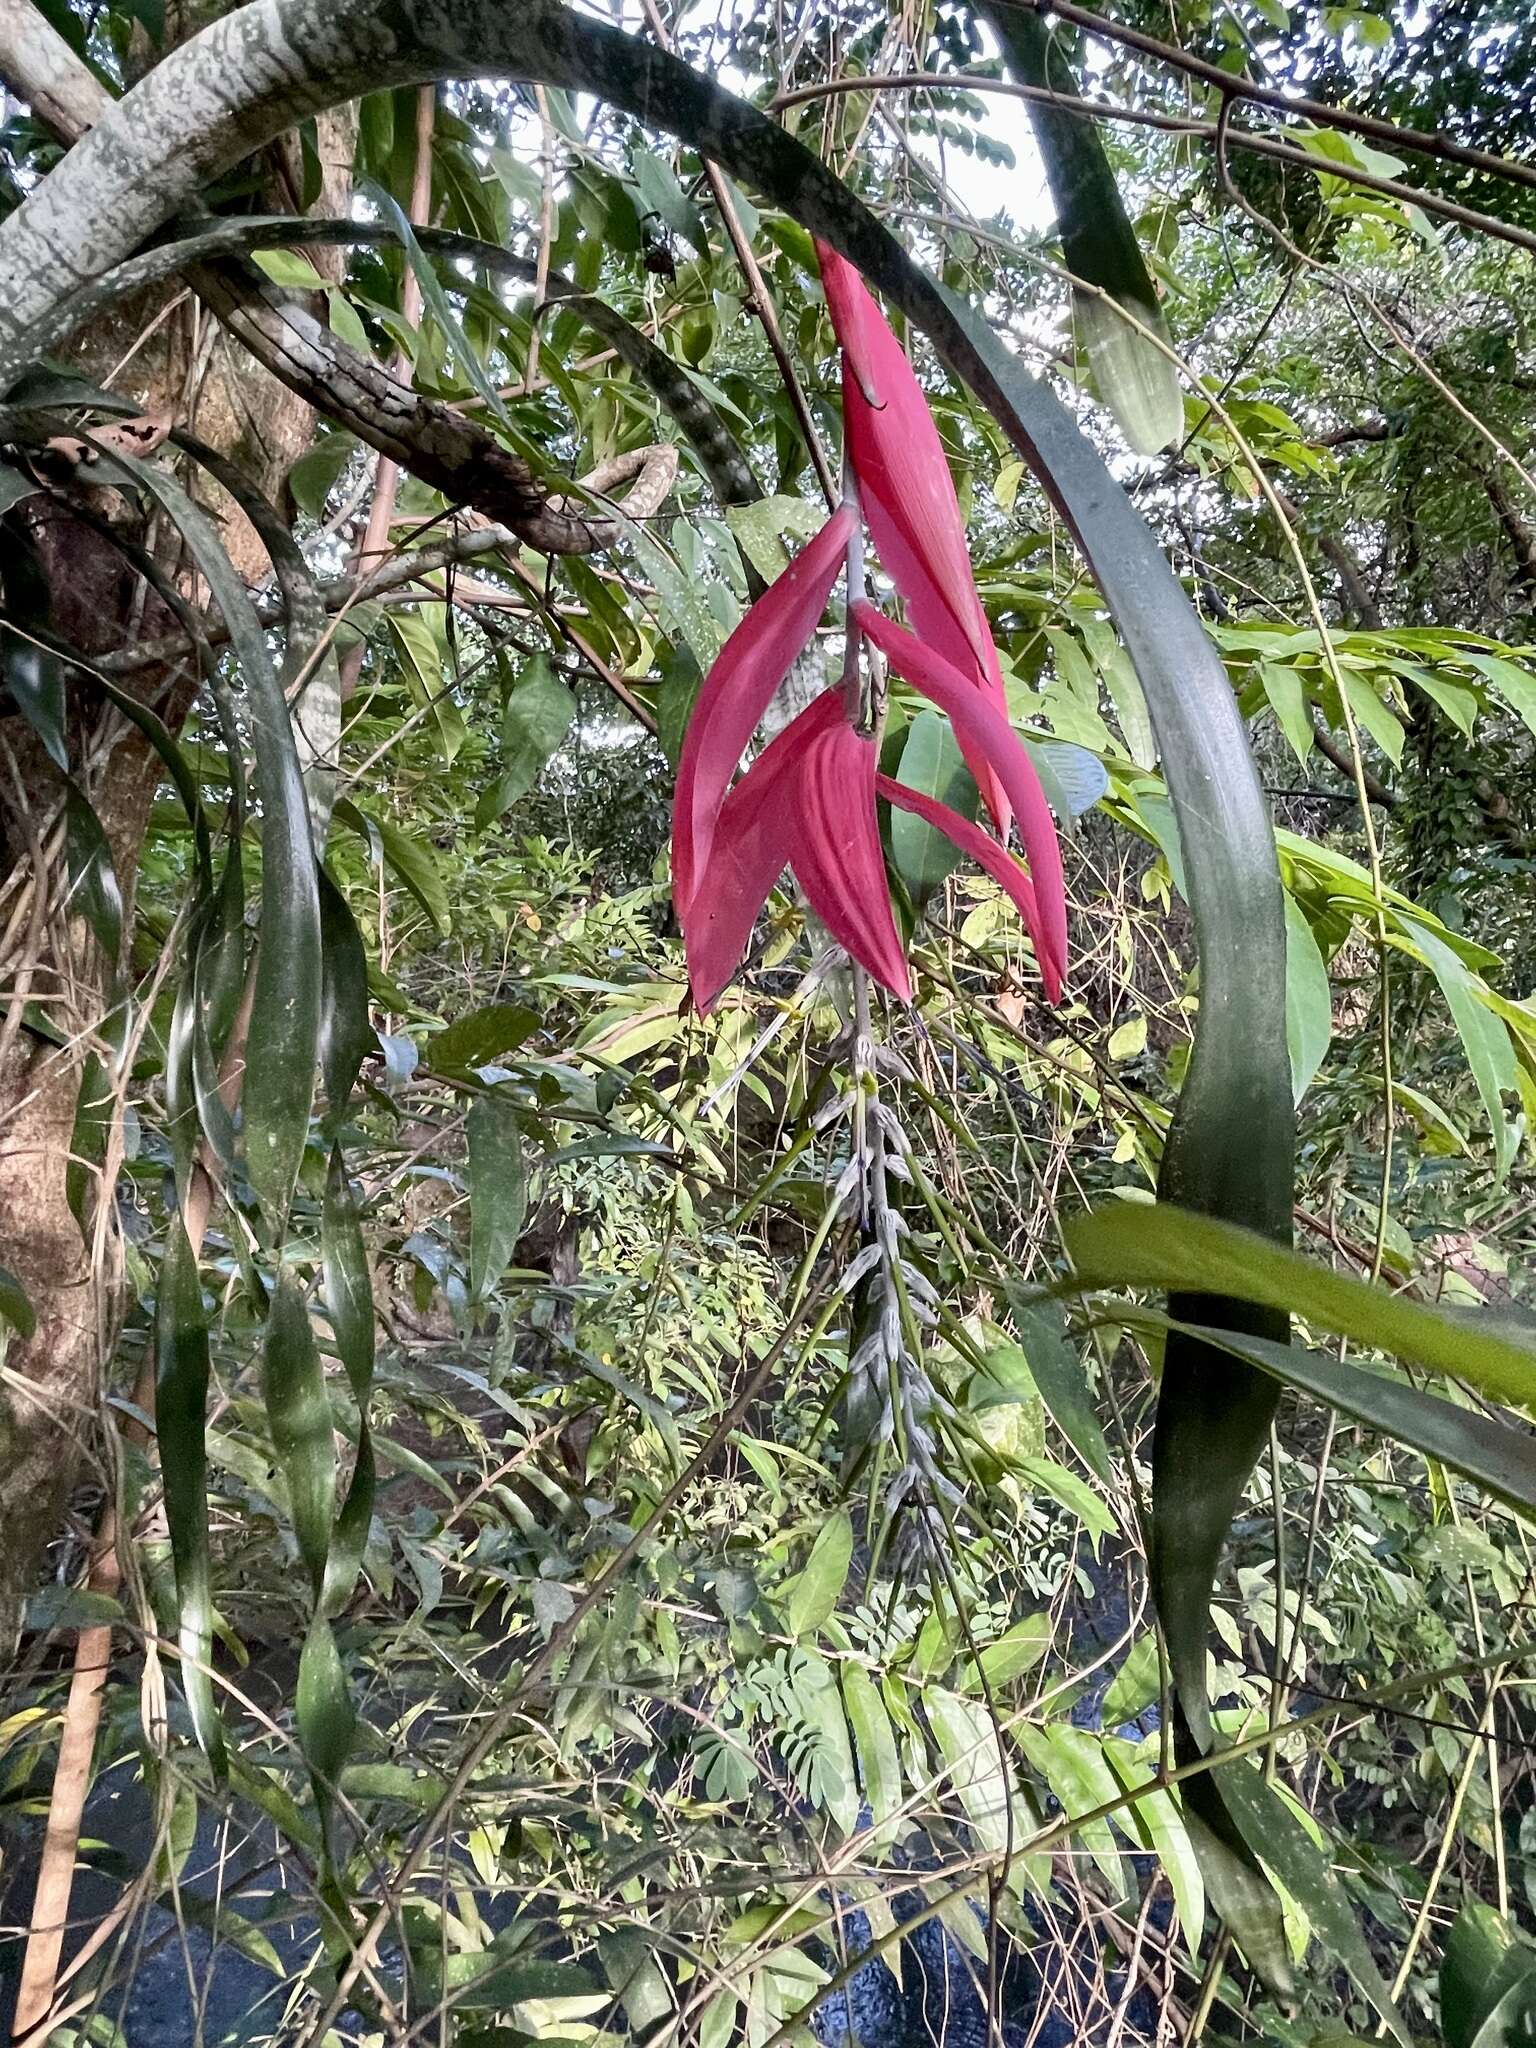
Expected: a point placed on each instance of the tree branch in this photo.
(40, 68)
(1235, 87)
(1517, 529)
(1274, 146)
(437, 443)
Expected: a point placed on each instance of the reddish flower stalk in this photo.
(809, 801)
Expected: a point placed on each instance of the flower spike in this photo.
(809, 801)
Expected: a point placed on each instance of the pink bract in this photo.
(989, 744)
(739, 688)
(907, 493)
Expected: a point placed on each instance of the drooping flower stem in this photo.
(855, 698)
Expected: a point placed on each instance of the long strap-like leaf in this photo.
(181, 1399)
(1230, 1149)
(1135, 378)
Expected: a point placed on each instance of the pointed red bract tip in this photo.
(751, 848)
(990, 745)
(988, 854)
(837, 854)
(907, 492)
(739, 688)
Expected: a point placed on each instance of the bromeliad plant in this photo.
(808, 801)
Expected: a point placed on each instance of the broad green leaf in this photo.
(717, 2022)
(874, 1743)
(346, 322)
(1059, 1372)
(1492, 1454)
(831, 1765)
(932, 764)
(35, 678)
(1141, 1245)
(1156, 1818)
(420, 635)
(465, 356)
(1073, 779)
(315, 475)
(655, 1412)
(299, 1418)
(763, 527)
(391, 1781)
(1017, 1650)
(284, 1035)
(1308, 999)
(661, 194)
(813, 1594)
(411, 859)
(14, 486)
(542, 2000)
(1484, 1038)
(1383, 724)
(1134, 377)
(1441, 1131)
(482, 1035)
(1512, 2021)
(269, 1796)
(1274, 1834)
(498, 1190)
(348, 1293)
(630, 1966)
(15, 1305)
(93, 885)
(346, 1034)
(1072, 1493)
(1072, 1762)
(1128, 1041)
(323, 1710)
(1135, 1686)
(680, 684)
(1483, 1962)
(968, 1743)
(293, 272)
(682, 599)
(1125, 693)
(538, 715)
(88, 1140)
(1288, 701)
(1516, 685)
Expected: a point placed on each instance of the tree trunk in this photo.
(166, 352)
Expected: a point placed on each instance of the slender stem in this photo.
(372, 549)
(856, 702)
(546, 237)
(1426, 200)
(1210, 1984)
(1442, 1857)
(1277, 1683)
(759, 300)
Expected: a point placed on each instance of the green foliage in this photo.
(699, 1518)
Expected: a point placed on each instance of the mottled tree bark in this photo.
(186, 369)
